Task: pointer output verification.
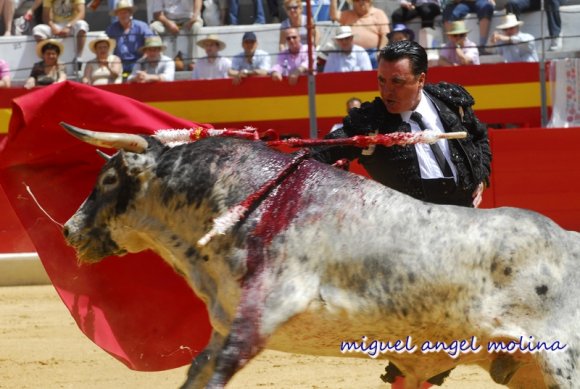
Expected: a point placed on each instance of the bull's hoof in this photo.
(503, 368)
(391, 374)
(439, 378)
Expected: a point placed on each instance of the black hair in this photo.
(406, 49)
(50, 46)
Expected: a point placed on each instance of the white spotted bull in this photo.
(328, 256)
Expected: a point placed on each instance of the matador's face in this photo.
(400, 89)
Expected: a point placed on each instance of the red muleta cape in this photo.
(135, 307)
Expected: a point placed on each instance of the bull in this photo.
(327, 257)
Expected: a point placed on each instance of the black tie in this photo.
(441, 160)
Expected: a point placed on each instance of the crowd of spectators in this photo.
(132, 50)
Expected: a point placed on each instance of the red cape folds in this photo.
(134, 307)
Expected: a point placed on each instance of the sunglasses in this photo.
(292, 7)
(460, 35)
(357, 1)
(289, 38)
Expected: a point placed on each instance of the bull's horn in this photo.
(121, 141)
(106, 157)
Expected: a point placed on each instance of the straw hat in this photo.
(45, 42)
(102, 37)
(458, 27)
(123, 4)
(152, 41)
(509, 21)
(212, 38)
(343, 32)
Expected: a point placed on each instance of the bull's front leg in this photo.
(203, 364)
(263, 308)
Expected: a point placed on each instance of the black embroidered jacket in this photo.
(397, 167)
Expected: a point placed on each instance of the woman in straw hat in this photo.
(514, 45)
(459, 50)
(153, 66)
(49, 70)
(213, 65)
(105, 68)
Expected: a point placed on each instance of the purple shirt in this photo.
(469, 49)
(288, 62)
(4, 69)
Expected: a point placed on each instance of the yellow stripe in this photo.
(505, 96)
(519, 95)
(5, 119)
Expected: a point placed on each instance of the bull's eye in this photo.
(109, 180)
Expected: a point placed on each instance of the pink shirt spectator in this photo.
(4, 69)
(287, 62)
(369, 29)
(469, 49)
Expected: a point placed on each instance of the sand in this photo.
(41, 347)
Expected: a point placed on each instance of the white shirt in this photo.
(174, 9)
(204, 70)
(428, 165)
(355, 61)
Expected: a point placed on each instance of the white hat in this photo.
(123, 4)
(102, 37)
(212, 38)
(343, 32)
(509, 21)
(152, 41)
(457, 28)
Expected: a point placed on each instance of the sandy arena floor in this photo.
(41, 347)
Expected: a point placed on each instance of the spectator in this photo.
(427, 10)
(106, 68)
(213, 65)
(250, 62)
(129, 34)
(234, 7)
(153, 66)
(296, 19)
(273, 8)
(49, 70)
(514, 45)
(353, 102)
(349, 57)
(63, 18)
(292, 62)
(552, 8)
(459, 50)
(172, 16)
(7, 11)
(23, 24)
(369, 24)
(4, 74)
(400, 32)
(458, 9)
(214, 12)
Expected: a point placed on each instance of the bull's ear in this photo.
(121, 141)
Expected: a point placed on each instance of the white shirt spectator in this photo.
(205, 70)
(339, 61)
